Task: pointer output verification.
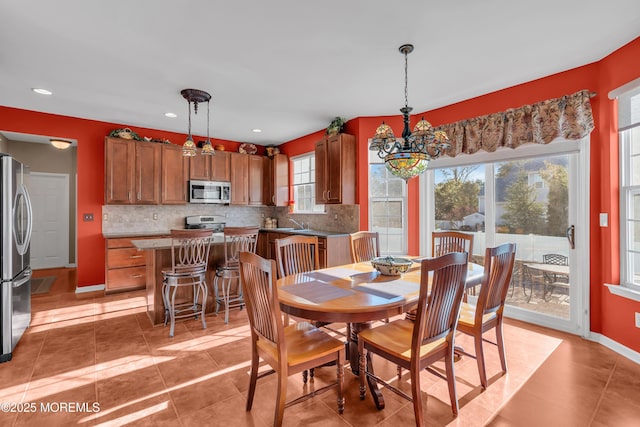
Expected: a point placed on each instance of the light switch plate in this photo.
(604, 219)
(637, 320)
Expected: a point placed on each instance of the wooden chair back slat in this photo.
(365, 245)
(498, 268)
(297, 254)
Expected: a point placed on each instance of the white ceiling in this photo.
(288, 66)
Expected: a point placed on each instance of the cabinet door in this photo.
(175, 175)
(200, 167)
(220, 166)
(119, 157)
(333, 170)
(239, 179)
(256, 176)
(321, 172)
(147, 173)
(280, 180)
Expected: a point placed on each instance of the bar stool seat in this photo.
(189, 258)
(227, 289)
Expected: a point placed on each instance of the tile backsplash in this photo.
(161, 218)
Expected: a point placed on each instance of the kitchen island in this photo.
(158, 258)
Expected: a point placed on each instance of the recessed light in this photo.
(42, 91)
(256, 130)
(171, 115)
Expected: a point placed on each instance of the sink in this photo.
(282, 229)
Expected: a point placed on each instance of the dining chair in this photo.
(297, 254)
(417, 345)
(444, 242)
(487, 313)
(287, 349)
(189, 260)
(236, 240)
(554, 280)
(365, 245)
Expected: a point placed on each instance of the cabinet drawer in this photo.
(125, 257)
(119, 243)
(121, 278)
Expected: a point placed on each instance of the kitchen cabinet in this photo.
(336, 169)
(276, 180)
(125, 265)
(175, 175)
(256, 180)
(209, 168)
(333, 249)
(247, 174)
(239, 179)
(132, 172)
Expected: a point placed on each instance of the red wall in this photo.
(610, 315)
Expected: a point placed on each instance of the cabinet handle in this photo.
(139, 196)
(328, 194)
(273, 199)
(136, 276)
(135, 256)
(129, 195)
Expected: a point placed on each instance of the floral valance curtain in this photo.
(568, 117)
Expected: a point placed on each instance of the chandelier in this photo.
(195, 96)
(408, 156)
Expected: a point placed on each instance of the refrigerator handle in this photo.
(26, 276)
(29, 216)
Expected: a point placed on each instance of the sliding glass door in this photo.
(531, 200)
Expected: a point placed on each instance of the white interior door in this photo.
(50, 240)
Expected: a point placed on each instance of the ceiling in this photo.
(286, 66)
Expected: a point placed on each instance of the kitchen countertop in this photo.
(121, 235)
(288, 230)
(165, 242)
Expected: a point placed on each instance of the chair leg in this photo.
(500, 343)
(280, 399)
(480, 359)
(172, 311)
(255, 361)
(340, 375)
(215, 292)
(415, 395)
(451, 380)
(203, 285)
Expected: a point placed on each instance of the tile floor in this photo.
(90, 349)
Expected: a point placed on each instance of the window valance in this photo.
(569, 117)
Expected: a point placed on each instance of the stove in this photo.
(204, 221)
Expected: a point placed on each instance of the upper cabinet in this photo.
(256, 179)
(276, 180)
(132, 172)
(336, 169)
(175, 175)
(239, 179)
(210, 168)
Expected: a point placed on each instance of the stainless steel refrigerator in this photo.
(16, 226)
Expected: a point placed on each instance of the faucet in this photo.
(299, 224)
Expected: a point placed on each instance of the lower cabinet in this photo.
(333, 250)
(125, 265)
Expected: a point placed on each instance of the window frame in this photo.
(316, 208)
(627, 192)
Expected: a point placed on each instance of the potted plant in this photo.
(335, 126)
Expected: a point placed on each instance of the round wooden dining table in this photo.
(355, 294)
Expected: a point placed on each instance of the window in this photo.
(629, 133)
(304, 184)
(387, 207)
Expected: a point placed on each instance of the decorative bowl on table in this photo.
(391, 266)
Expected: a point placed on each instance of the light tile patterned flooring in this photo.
(93, 348)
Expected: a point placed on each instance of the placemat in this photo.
(317, 292)
(389, 290)
(331, 275)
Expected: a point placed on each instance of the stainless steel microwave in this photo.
(209, 192)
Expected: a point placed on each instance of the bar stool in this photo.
(236, 240)
(189, 258)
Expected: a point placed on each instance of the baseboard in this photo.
(615, 346)
(92, 288)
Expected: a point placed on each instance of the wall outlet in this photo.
(155, 216)
(604, 219)
(637, 320)
(335, 216)
(87, 217)
(105, 217)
